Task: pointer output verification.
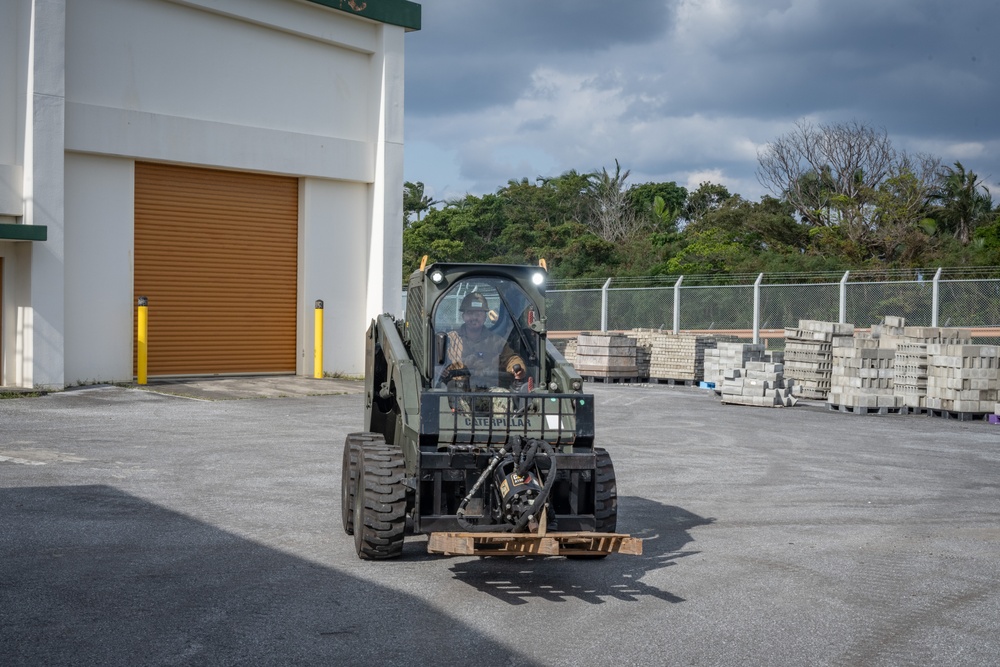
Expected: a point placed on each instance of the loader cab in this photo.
(507, 329)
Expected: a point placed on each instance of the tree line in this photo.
(841, 197)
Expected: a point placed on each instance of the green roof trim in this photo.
(394, 12)
(9, 232)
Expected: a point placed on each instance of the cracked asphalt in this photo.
(171, 526)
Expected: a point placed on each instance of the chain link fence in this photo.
(748, 308)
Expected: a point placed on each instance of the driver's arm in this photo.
(455, 351)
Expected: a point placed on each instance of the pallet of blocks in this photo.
(759, 383)
(962, 380)
(606, 356)
(889, 332)
(809, 355)
(910, 381)
(862, 378)
(643, 349)
(727, 355)
(570, 352)
(681, 357)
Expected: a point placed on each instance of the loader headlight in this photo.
(538, 278)
(437, 277)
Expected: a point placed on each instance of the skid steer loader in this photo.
(477, 431)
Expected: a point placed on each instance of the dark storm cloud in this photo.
(916, 65)
(471, 54)
(689, 89)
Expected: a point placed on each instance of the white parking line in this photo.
(25, 462)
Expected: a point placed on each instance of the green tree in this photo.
(415, 202)
(862, 197)
(708, 250)
(708, 197)
(522, 223)
(827, 172)
(662, 203)
(736, 235)
(900, 221)
(964, 202)
(611, 214)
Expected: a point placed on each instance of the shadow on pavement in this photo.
(519, 580)
(90, 575)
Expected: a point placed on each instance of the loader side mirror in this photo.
(440, 347)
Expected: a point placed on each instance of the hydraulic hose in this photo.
(460, 514)
(527, 461)
(524, 452)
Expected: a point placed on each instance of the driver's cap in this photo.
(474, 301)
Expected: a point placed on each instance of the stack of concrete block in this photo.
(643, 349)
(726, 356)
(759, 383)
(890, 332)
(862, 378)
(963, 379)
(809, 355)
(910, 381)
(570, 352)
(681, 356)
(910, 378)
(606, 356)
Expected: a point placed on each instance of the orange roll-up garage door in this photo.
(216, 255)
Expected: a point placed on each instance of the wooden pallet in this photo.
(866, 410)
(959, 416)
(674, 382)
(625, 379)
(533, 544)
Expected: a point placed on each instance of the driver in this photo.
(478, 349)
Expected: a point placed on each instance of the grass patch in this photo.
(340, 375)
(27, 393)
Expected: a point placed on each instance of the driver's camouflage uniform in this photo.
(482, 358)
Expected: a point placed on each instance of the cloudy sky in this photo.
(689, 90)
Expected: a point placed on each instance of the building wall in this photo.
(99, 234)
(274, 86)
(42, 336)
(187, 61)
(11, 112)
(330, 248)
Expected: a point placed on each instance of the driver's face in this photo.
(474, 320)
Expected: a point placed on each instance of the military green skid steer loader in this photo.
(477, 431)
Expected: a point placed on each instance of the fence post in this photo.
(604, 305)
(935, 297)
(677, 305)
(843, 298)
(756, 308)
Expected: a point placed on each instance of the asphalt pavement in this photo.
(200, 525)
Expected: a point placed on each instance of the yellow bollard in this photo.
(318, 342)
(142, 338)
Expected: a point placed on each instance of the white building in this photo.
(233, 161)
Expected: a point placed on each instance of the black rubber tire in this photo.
(349, 475)
(606, 509)
(380, 504)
